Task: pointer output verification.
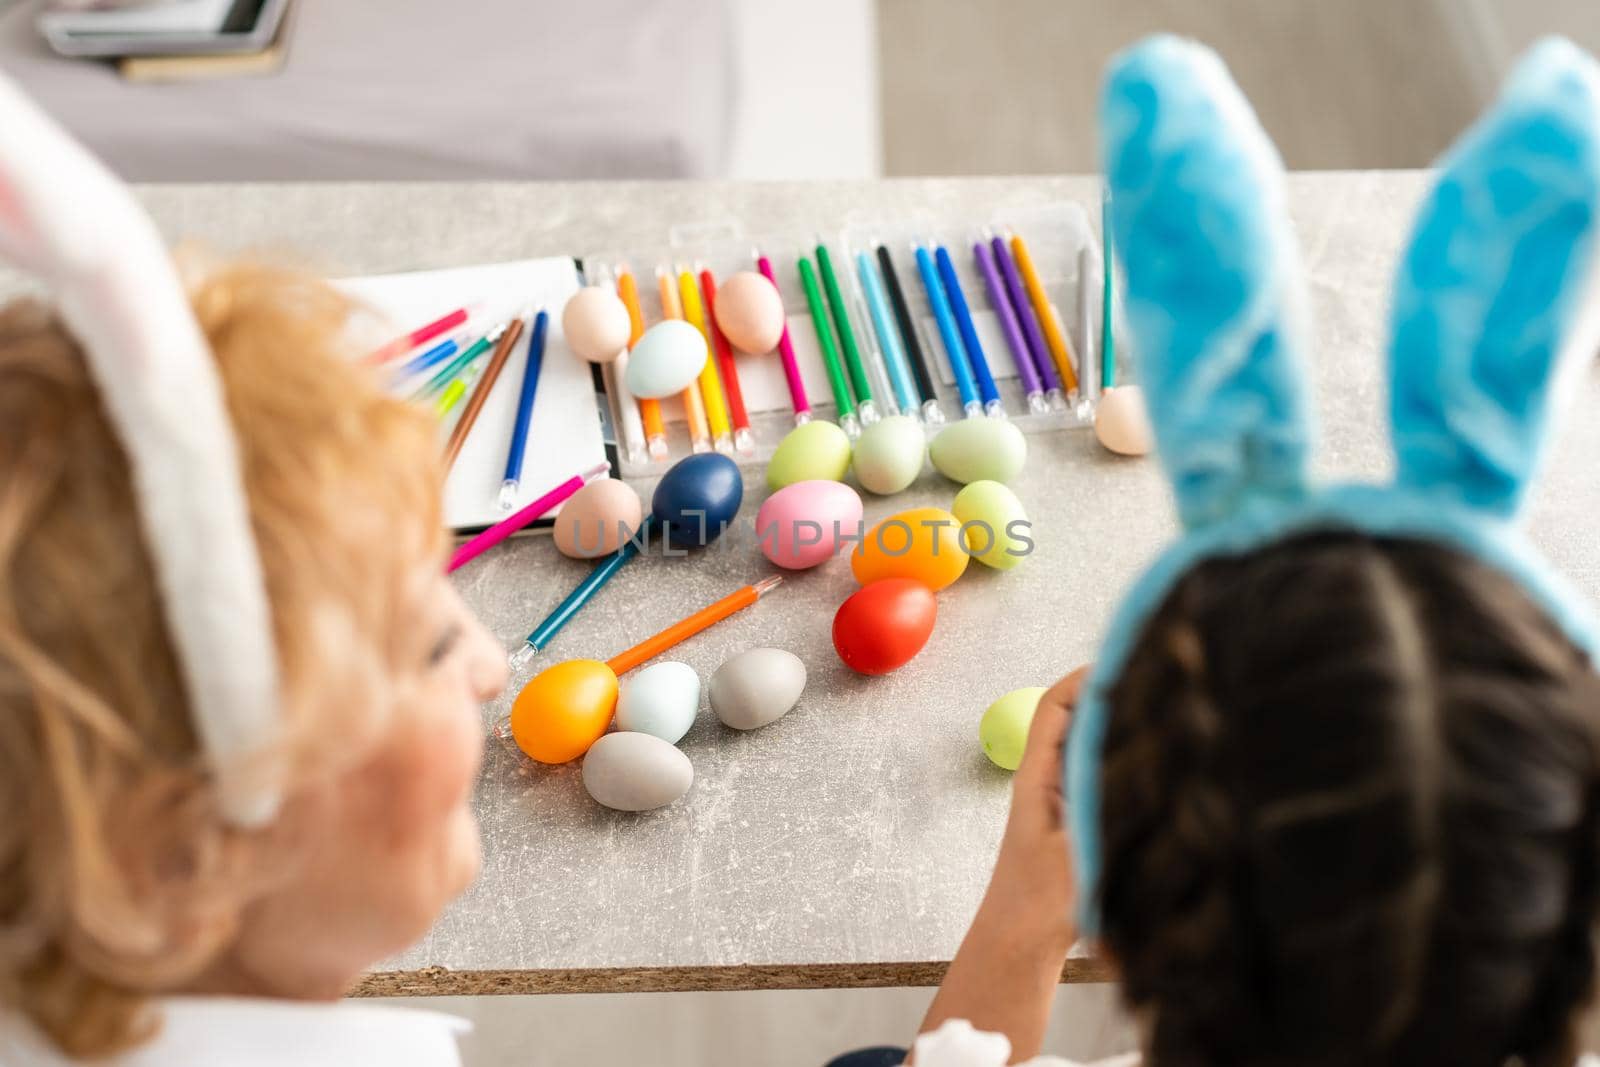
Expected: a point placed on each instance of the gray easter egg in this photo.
(756, 688)
(636, 772)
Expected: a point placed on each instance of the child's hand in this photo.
(1032, 876)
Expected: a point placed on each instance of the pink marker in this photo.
(506, 527)
(791, 367)
(421, 335)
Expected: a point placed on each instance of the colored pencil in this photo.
(894, 355)
(1023, 308)
(506, 527)
(491, 374)
(866, 407)
(420, 336)
(694, 313)
(932, 414)
(1108, 341)
(743, 437)
(969, 334)
(830, 352)
(694, 408)
(945, 320)
(1054, 338)
(995, 287)
(519, 430)
(791, 366)
(655, 427)
(684, 629)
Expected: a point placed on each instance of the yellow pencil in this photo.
(710, 381)
(1054, 338)
(693, 407)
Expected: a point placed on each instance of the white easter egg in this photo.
(667, 358)
(661, 700)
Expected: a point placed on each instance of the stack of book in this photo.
(172, 40)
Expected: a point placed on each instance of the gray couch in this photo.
(421, 89)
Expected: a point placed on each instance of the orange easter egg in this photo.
(923, 544)
(564, 709)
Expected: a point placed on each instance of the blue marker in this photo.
(947, 332)
(894, 357)
(437, 354)
(969, 336)
(519, 432)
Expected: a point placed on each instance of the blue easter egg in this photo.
(696, 500)
(667, 358)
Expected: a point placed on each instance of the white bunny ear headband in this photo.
(65, 219)
(1488, 299)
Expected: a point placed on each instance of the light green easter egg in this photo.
(816, 451)
(979, 449)
(889, 455)
(1003, 730)
(994, 528)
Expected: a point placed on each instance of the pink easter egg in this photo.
(804, 524)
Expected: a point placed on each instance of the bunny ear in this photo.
(1489, 291)
(67, 220)
(1212, 277)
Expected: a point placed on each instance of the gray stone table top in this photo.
(849, 842)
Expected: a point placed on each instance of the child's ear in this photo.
(1213, 291)
(1493, 283)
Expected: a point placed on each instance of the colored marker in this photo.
(437, 383)
(743, 438)
(582, 593)
(791, 366)
(948, 333)
(866, 407)
(655, 427)
(996, 290)
(1030, 326)
(932, 413)
(830, 354)
(710, 380)
(694, 408)
(519, 430)
(969, 334)
(506, 527)
(420, 336)
(894, 356)
(433, 356)
(1048, 322)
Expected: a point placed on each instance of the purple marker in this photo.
(1008, 324)
(1024, 312)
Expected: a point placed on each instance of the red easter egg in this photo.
(883, 625)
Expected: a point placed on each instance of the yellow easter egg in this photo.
(994, 526)
(923, 544)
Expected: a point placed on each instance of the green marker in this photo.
(830, 354)
(852, 354)
(461, 362)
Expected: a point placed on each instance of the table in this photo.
(849, 843)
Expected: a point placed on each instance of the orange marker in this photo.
(655, 428)
(652, 647)
(1053, 337)
(693, 407)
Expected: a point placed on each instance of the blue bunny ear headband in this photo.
(1487, 300)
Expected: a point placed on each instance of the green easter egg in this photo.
(889, 455)
(987, 512)
(816, 451)
(979, 449)
(1004, 728)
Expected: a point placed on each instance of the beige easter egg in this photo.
(597, 519)
(596, 325)
(1121, 422)
(750, 312)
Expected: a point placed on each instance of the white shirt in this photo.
(250, 1032)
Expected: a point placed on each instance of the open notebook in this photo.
(566, 434)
